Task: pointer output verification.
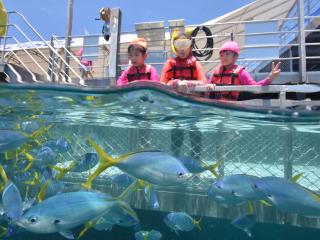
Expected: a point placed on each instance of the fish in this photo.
(288, 196)
(245, 223)
(156, 167)
(233, 189)
(45, 156)
(61, 144)
(116, 216)
(198, 166)
(29, 126)
(12, 201)
(151, 196)
(181, 221)
(148, 235)
(11, 139)
(61, 213)
(122, 180)
(86, 162)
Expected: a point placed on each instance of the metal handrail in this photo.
(81, 81)
(28, 55)
(23, 64)
(70, 54)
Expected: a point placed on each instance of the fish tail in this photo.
(250, 208)
(34, 181)
(125, 206)
(63, 170)
(264, 202)
(87, 226)
(30, 159)
(3, 231)
(3, 175)
(212, 168)
(42, 192)
(105, 161)
(40, 131)
(197, 223)
(131, 188)
(296, 177)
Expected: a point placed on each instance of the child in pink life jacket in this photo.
(228, 73)
(137, 70)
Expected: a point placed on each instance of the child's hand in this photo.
(275, 71)
(210, 87)
(182, 86)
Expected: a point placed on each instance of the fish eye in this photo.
(269, 195)
(255, 186)
(233, 192)
(218, 186)
(120, 221)
(32, 219)
(180, 174)
(56, 221)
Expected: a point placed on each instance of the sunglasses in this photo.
(182, 43)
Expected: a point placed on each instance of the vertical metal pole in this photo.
(5, 40)
(52, 62)
(68, 34)
(302, 43)
(115, 25)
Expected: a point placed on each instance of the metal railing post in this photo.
(115, 25)
(302, 43)
(68, 36)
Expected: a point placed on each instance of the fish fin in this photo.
(264, 202)
(34, 181)
(3, 174)
(296, 177)
(212, 168)
(248, 232)
(12, 201)
(250, 208)
(131, 188)
(87, 226)
(197, 223)
(40, 131)
(105, 161)
(42, 192)
(175, 231)
(3, 231)
(67, 234)
(30, 159)
(125, 206)
(313, 194)
(63, 170)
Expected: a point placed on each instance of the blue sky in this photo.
(49, 16)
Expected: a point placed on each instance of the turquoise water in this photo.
(259, 141)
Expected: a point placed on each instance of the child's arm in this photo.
(154, 74)
(201, 77)
(246, 79)
(123, 80)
